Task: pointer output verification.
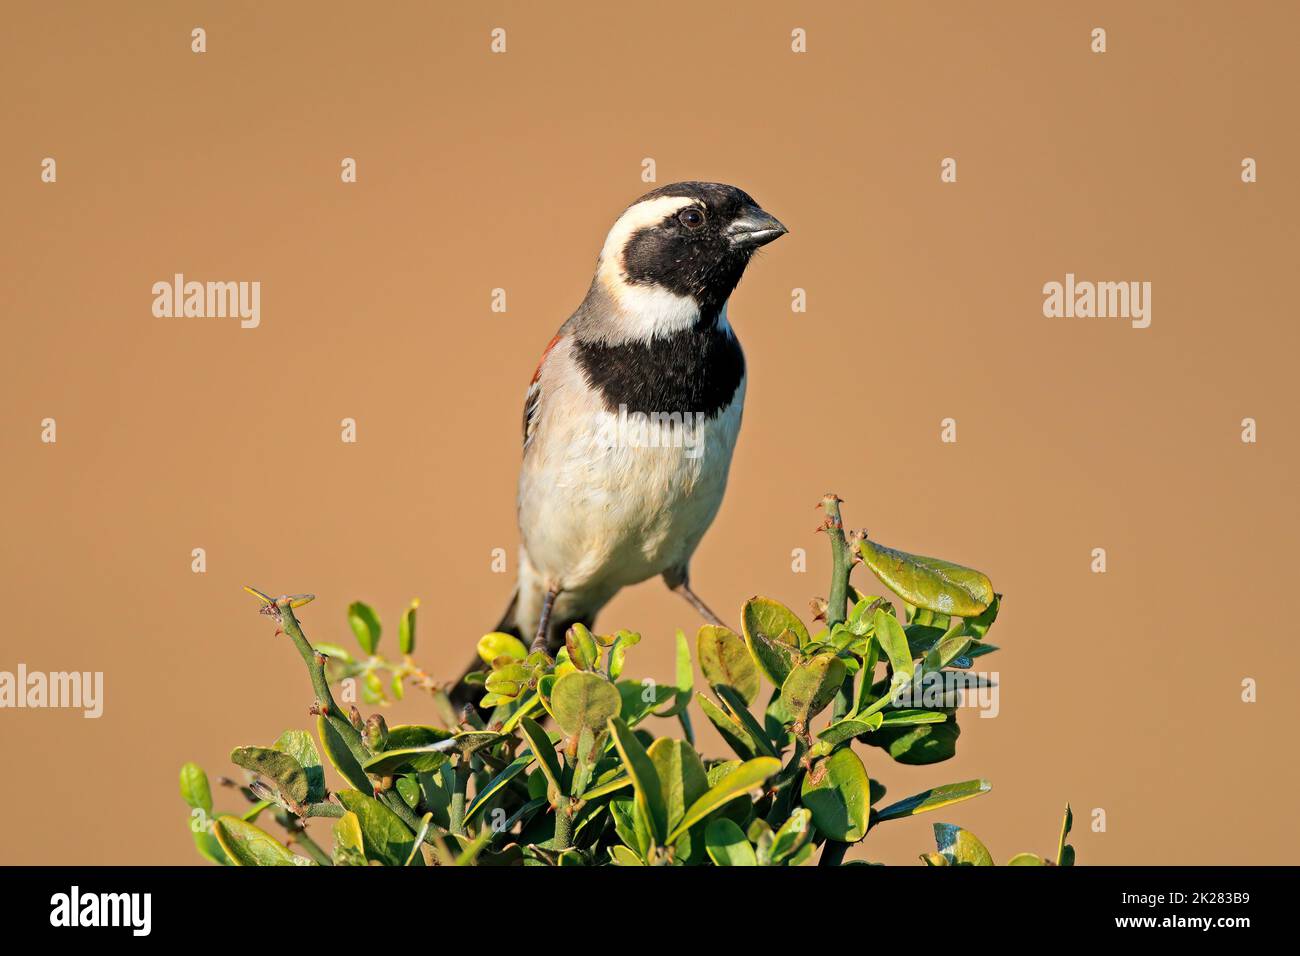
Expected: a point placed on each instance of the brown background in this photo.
(1119, 691)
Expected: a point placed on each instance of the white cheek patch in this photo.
(651, 310)
(647, 310)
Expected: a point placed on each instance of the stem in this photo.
(837, 606)
(563, 824)
(456, 811)
(324, 699)
(334, 714)
(841, 564)
(833, 853)
(313, 848)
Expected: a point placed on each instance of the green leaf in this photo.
(870, 656)
(754, 731)
(508, 680)
(622, 856)
(195, 789)
(911, 718)
(748, 776)
(406, 629)
(582, 699)
(584, 652)
(387, 838)
(893, 641)
(408, 788)
(497, 783)
(929, 583)
(612, 785)
(339, 756)
(542, 748)
(636, 707)
(933, 799)
(410, 736)
(847, 729)
(811, 685)
(682, 781)
(467, 742)
(774, 635)
(685, 673)
(918, 745)
(1065, 852)
(408, 760)
(732, 732)
(249, 845)
(960, 847)
(838, 794)
(977, 627)
(426, 821)
(645, 781)
(794, 834)
(726, 662)
(494, 645)
(1026, 859)
(299, 745)
(333, 651)
(347, 833)
(210, 848)
(726, 844)
(365, 625)
(618, 651)
(275, 765)
(630, 824)
(948, 650)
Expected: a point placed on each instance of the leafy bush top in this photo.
(596, 787)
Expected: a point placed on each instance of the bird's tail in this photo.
(463, 693)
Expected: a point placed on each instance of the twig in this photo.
(334, 714)
(841, 563)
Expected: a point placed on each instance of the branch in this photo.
(331, 711)
(841, 563)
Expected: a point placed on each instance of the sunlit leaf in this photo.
(726, 844)
(933, 799)
(960, 847)
(726, 662)
(365, 625)
(838, 794)
(748, 776)
(249, 845)
(929, 583)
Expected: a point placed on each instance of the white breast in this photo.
(608, 499)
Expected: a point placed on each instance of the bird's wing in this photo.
(533, 398)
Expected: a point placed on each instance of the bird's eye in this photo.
(691, 218)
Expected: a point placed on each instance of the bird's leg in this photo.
(679, 583)
(548, 602)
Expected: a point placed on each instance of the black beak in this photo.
(754, 228)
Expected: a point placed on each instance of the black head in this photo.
(691, 240)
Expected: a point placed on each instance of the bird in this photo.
(632, 414)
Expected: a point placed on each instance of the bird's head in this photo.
(675, 255)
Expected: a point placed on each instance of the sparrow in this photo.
(632, 414)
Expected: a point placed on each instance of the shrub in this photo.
(596, 787)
